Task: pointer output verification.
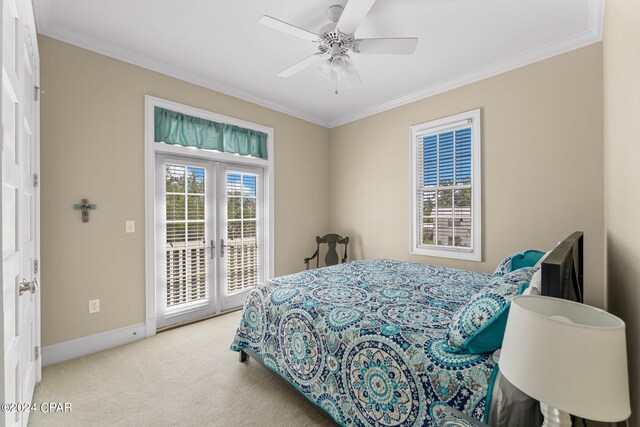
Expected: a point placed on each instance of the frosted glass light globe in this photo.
(338, 64)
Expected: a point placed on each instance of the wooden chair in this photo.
(332, 240)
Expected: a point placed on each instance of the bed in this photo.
(365, 340)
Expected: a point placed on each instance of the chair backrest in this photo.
(331, 258)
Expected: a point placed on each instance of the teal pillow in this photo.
(518, 260)
(525, 259)
(478, 326)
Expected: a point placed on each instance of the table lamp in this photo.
(569, 356)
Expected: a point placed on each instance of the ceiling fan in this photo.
(336, 41)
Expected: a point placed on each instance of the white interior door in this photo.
(20, 231)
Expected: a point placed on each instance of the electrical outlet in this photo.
(94, 306)
(129, 226)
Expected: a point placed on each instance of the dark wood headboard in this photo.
(562, 270)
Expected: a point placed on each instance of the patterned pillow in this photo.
(503, 268)
(478, 326)
(518, 260)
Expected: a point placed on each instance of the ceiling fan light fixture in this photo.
(336, 42)
(338, 64)
(348, 65)
(325, 69)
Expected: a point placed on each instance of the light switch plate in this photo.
(130, 226)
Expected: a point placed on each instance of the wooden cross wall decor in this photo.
(85, 206)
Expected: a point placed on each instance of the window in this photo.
(446, 187)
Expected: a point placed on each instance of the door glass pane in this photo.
(195, 181)
(249, 185)
(249, 208)
(185, 244)
(174, 179)
(233, 208)
(195, 205)
(242, 231)
(175, 207)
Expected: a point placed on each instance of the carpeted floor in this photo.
(186, 376)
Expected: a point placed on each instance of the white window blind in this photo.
(242, 231)
(185, 245)
(446, 184)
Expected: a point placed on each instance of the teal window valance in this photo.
(180, 129)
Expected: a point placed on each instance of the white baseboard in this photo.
(71, 349)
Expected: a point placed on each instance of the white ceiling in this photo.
(219, 44)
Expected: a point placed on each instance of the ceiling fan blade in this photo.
(305, 63)
(398, 46)
(353, 14)
(288, 28)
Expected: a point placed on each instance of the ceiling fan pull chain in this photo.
(337, 84)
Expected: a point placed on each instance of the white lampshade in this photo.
(568, 355)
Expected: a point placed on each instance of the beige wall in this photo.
(92, 146)
(541, 115)
(541, 164)
(622, 173)
(537, 121)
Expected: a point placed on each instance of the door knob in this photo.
(28, 286)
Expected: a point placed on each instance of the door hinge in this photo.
(36, 352)
(35, 180)
(36, 93)
(35, 266)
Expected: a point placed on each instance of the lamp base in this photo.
(554, 417)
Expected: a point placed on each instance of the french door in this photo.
(209, 233)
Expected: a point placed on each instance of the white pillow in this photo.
(531, 291)
(539, 263)
(536, 283)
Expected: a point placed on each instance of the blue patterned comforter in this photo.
(364, 340)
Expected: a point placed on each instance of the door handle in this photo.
(212, 249)
(222, 246)
(28, 286)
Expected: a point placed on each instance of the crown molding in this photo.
(140, 60)
(590, 36)
(518, 61)
(577, 41)
(596, 18)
